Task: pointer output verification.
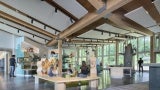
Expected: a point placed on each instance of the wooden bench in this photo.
(61, 83)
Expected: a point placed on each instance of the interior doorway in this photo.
(4, 61)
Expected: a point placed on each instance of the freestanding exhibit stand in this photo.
(154, 76)
(118, 72)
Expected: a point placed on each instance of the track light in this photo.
(71, 20)
(32, 21)
(33, 36)
(44, 26)
(102, 33)
(55, 10)
(18, 31)
(55, 32)
(45, 40)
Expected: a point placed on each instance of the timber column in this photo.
(60, 57)
(152, 53)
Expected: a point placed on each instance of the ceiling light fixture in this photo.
(71, 20)
(32, 21)
(44, 26)
(55, 10)
(55, 32)
(102, 33)
(18, 31)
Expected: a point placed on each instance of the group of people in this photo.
(49, 68)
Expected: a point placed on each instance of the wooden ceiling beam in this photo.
(98, 4)
(118, 18)
(87, 28)
(92, 42)
(25, 24)
(54, 4)
(87, 5)
(90, 18)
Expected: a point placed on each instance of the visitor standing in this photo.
(12, 66)
(140, 62)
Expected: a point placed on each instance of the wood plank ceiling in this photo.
(115, 9)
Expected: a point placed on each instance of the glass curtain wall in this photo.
(157, 48)
(109, 54)
(121, 51)
(82, 55)
(144, 50)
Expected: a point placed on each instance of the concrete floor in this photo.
(27, 83)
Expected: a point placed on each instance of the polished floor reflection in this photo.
(27, 83)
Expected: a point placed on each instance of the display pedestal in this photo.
(118, 72)
(154, 75)
(154, 78)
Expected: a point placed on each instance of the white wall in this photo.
(6, 40)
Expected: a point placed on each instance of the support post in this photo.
(152, 54)
(60, 57)
(117, 48)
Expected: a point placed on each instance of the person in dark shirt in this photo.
(12, 66)
(140, 62)
(84, 69)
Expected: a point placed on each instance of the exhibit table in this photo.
(118, 72)
(60, 82)
(27, 71)
(154, 76)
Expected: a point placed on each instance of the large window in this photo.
(158, 58)
(110, 54)
(141, 44)
(82, 55)
(99, 51)
(144, 50)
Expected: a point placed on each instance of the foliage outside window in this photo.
(106, 50)
(158, 58)
(144, 50)
(112, 49)
(105, 62)
(120, 59)
(109, 54)
(141, 44)
(82, 55)
(121, 47)
(147, 44)
(157, 42)
(99, 51)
